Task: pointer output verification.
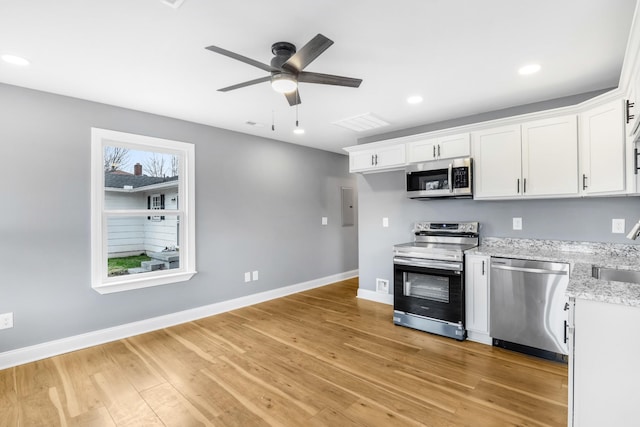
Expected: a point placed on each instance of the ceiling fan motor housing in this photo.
(282, 51)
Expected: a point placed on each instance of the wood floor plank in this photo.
(133, 365)
(173, 409)
(9, 416)
(8, 394)
(322, 357)
(122, 400)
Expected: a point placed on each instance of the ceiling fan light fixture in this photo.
(283, 83)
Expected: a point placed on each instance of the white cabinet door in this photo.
(603, 150)
(446, 147)
(392, 156)
(361, 160)
(379, 159)
(422, 151)
(450, 147)
(477, 294)
(550, 157)
(606, 375)
(497, 162)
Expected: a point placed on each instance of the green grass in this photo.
(119, 266)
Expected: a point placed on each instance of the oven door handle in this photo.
(436, 265)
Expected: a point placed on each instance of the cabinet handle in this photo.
(434, 151)
(438, 150)
(518, 186)
(372, 164)
(630, 105)
(584, 182)
(483, 268)
(376, 160)
(565, 331)
(524, 185)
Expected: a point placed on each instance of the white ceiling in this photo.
(462, 56)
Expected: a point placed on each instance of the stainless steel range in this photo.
(429, 278)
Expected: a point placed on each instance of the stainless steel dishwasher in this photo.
(527, 306)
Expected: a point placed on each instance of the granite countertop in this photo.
(581, 256)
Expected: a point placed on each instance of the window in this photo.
(132, 175)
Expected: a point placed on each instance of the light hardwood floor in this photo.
(318, 358)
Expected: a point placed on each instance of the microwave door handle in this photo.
(450, 178)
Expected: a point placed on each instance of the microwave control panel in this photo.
(460, 177)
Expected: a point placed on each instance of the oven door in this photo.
(428, 288)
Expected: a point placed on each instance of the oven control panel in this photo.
(450, 227)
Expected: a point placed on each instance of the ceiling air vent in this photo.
(362, 122)
(173, 3)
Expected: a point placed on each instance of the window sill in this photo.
(143, 282)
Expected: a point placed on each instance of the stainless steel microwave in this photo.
(440, 178)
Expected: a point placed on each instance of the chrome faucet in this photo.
(635, 232)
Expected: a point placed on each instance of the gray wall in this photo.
(259, 205)
(383, 195)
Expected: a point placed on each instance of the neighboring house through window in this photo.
(131, 176)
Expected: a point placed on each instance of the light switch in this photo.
(247, 276)
(325, 220)
(254, 275)
(385, 222)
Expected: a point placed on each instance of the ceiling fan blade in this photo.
(241, 58)
(293, 97)
(328, 79)
(308, 53)
(249, 83)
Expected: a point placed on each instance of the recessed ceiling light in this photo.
(414, 99)
(529, 69)
(298, 131)
(15, 60)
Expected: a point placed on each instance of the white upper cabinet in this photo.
(536, 159)
(446, 147)
(550, 157)
(602, 144)
(632, 111)
(377, 159)
(497, 157)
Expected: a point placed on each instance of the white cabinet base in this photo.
(479, 337)
(606, 374)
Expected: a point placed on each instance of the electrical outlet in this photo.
(617, 226)
(382, 286)
(255, 275)
(517, 223)
(325, 220)
(6, 320)
(247, 276)
(385, 222)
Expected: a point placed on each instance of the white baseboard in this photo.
(53, 348)
(375, 296)
(479, 337)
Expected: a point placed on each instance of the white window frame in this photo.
(100, 282)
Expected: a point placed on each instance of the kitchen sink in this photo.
(616, 275)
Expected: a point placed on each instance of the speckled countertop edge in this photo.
(581, 256)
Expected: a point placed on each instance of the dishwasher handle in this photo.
(529, 270)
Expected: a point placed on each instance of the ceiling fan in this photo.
(286, 68)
